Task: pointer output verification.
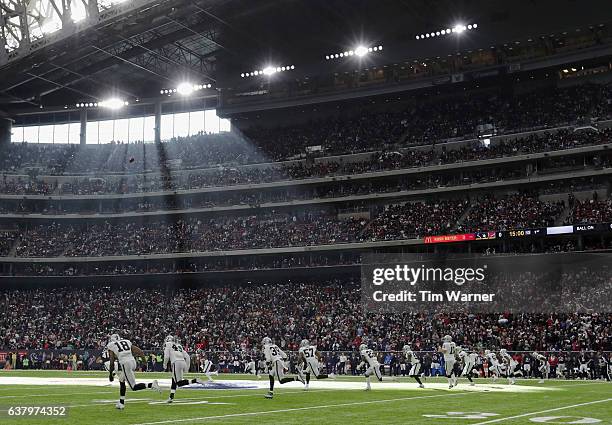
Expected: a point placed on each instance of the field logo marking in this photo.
(565, 420)
(463, 415)
(571, 406)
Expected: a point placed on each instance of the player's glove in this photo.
(111, 376)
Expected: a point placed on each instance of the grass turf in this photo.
(95, 404)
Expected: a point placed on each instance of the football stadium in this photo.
(305, 212)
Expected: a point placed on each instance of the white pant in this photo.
(449, 365)
(126, 372)
(179, 368)
(312, 367)
(467, 369)
(415, 370)
(277, 369)
(375, 369)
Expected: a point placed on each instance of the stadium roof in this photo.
(136, 48)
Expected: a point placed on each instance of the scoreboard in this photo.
(600, 228)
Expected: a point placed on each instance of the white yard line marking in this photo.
(297, 409)
(544, 411)
(58, 394)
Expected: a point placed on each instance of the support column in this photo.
(158, 111)
(6, 127)
(83, 133)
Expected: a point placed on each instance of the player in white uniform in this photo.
(179, 361)
(121, 352)
(511, 365)
(251, 367)
(206, 367)
(369, 359)
(493, 364)
(308, 362)
(415, 364)
(276, 366)
(449, 350)
(542, 364)
(469, 361)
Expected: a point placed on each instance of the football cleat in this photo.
(270, 394)
(421, 386)
(119, 406)
(170, 400)
(155, 386)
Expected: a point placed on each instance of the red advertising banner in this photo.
(450, 238)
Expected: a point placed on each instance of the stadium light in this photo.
(457, 29)
(359, 51)
(185, 89)
(268, 70)
(113, 103)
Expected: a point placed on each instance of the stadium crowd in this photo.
(380, 161)
(234, 318)
(272, 229)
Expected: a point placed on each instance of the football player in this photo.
(369, 359)
(511, 365)
(449, 350)
(415, 364)
(179, 361)
(469, 361)
(308, 362)
(122, 352)
(493, 361)
(276, 367)
(251, 367)
(207, 366)
(542, 365)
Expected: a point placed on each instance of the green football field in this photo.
(88, 399)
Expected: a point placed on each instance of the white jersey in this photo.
(507, 358)
(310, 354)
(173, 352)
(122, 350)
(449, 350)
(492, 358)
(538, 356)
(467, 358)
(411, 357)
(369, 357)
(273, 353)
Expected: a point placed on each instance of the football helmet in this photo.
(304, 343)
(266, 341)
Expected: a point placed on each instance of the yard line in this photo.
(57, 394)
(492, 421)
(252, 394)
(297, 409)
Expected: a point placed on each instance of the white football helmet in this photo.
(266, 341)
(304, 343)
(114, 337)
(487, 352)
(363, 347)
(406, 348)
(503, 351)
(169, 338)
(447, 338)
